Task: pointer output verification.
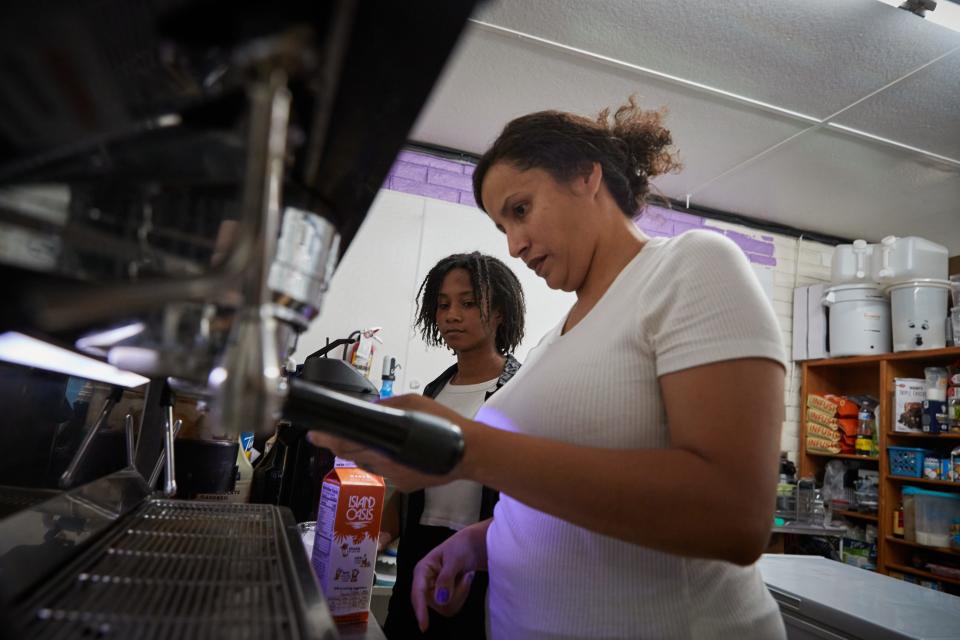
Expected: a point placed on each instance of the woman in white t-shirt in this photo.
(636, 451)
(472, 304)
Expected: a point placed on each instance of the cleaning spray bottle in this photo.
(388, 377)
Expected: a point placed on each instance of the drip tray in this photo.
(182, 569)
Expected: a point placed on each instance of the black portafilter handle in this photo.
(419, 440)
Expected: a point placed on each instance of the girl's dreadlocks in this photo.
(495, 288)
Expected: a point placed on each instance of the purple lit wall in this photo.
(432, 177)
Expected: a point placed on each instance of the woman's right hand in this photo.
(442, 579)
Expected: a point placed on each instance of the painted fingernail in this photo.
(442, 595)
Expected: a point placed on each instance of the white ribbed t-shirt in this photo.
(456, 505)
(680, 303)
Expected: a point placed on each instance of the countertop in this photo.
(860, 603)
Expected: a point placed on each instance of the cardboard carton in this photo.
(345, 546)
(908, 397)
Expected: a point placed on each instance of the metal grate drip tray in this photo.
(178, 570)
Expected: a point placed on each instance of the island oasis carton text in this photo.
(345, 546)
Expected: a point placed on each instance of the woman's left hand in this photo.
(403, 477)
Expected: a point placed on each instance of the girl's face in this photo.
(548, 224)
(458, 315)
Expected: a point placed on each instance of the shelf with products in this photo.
(920, 573)
(940, 483)
(843, 456)
(935, 356)
(874, 376)
(954, 438)
(855, 515)
(917, 545)
(840, 377)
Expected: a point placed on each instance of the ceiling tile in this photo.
(922, 111)
(494, 78)
(832, 182)
(814, 56)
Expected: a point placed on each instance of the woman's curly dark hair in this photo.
(631, 147)
(495, 288)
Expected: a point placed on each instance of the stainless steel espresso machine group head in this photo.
(178, 180)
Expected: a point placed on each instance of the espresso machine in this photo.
(178, 181)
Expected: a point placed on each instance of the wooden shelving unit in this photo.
(842, 456)
(919, 437)
(940, 483)
(907, 543)
(855, 515)
(874, 375)
(921, 573)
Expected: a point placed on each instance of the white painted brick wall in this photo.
(814, 267)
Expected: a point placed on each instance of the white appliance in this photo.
(911, 258)
(859, 319)
(852, 263)
(919, 314)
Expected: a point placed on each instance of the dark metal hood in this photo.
(90, 89)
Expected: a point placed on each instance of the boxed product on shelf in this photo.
(860, 554)
(825, 433)
(846, 407)
(931, 468)
(819, 445)
(934, 418)
(822, 403)
(908, 397)
(821, 417)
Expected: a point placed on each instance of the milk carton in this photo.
(345, 545)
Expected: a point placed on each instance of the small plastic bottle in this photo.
(865, 428)
(388, 377)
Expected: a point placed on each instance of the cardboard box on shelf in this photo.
(908, 397)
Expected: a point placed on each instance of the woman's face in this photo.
(458, 315)
(548, 224)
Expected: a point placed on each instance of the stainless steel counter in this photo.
(820, 598)
(369, 630)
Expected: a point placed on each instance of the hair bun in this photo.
(645, 142)
(631, 146)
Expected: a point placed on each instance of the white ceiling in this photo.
(837, 116)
